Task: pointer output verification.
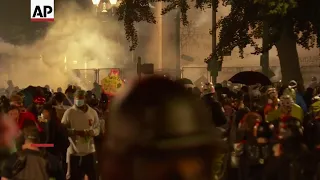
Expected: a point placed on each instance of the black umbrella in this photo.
(270, 72)
(250, 78)
(184, 81)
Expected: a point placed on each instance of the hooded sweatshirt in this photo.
(76, 119)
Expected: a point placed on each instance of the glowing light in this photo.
(95, 2)
(113, 2)
(65, 59)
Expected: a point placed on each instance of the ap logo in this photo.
(42, 10)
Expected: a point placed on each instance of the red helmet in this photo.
(39, 100)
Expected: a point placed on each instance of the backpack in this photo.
(30, 167)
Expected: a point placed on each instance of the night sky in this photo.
(15, 24)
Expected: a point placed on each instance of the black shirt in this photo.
(55, 169)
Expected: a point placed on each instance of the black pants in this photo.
(83, 165)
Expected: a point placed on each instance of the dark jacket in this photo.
(215, 107)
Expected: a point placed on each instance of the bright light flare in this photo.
(113, 2)
(95, 2)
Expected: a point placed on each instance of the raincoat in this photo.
(296, 112)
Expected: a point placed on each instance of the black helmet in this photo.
(263, 129)
(157, 119)
(165, 115)
(290, 128)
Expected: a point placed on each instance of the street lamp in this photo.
(113, 2)
(95, 2)
(96, 5)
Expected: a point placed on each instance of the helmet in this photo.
(152, 120)
(290, 92)
(293, 84)
(39, 100)
(263, 129)
(207, 88)
(290, 127)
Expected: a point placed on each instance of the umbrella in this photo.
(250, 78)
(184, 81)
(270, 73)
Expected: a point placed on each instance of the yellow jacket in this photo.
(296, 112)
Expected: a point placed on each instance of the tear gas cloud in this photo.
(76, 40)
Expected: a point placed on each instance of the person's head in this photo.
(59, 97)
(16, 100)
(59, 89)
(207, 88)
(263, 132)
(48, 112)
(70, 91)
(10, 83)
(47, 87)
(89, 96)
(165, 130)
(293, 84)
(14, 112)
(31, 135)
(79, 98)
(39, 102)
(239, 100)
(290, 134)
(286, 103)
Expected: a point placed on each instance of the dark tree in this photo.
(289, 22)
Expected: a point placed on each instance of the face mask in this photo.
(79, 102)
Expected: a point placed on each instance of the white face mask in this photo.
(79, 102)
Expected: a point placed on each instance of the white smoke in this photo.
(76, 40)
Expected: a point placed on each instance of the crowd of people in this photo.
(161, 129)
(65, 127)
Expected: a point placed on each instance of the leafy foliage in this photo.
(242, 26)
(246, 19)
(133, 11)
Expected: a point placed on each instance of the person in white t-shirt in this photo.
(83, 124)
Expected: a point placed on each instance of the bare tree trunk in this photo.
(288, 55)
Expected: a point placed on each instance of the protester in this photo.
(25, 117)
(215, 107)
(32, 162)
(83, 124)
(36, 107)
(151, 126)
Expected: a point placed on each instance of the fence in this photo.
(195, 74)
